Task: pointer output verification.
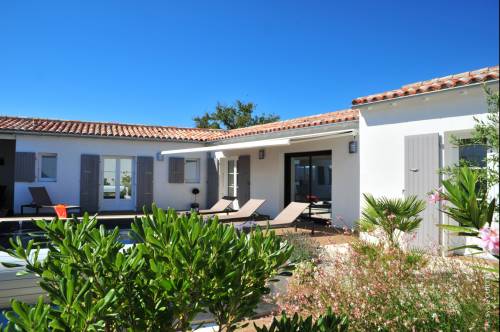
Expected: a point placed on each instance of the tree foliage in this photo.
(486, 132)
(178, 267)
(234, 116)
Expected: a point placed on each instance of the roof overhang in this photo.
(284, 141)
(424, 94)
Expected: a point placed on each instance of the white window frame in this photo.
(197, 179)
(40, 166)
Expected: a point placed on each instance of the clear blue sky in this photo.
(163, 62)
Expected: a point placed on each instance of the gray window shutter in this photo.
(422, 165)
(243, 180)
(212, 181)
(25, 167)
(89, 183)
(144, 182)
(175, 170)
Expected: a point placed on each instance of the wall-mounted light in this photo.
(262, 154)
(353, 146)
(160, 157)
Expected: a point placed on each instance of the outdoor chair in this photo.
(284, 219)
(41, 199)
(221, 206)
(246, 212)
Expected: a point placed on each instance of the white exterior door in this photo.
(118, 192)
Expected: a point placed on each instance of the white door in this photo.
(118, 192)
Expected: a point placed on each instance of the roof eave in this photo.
(39, 133)
(351, 124)
(389, 100)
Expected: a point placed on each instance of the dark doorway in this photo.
(7, 163)
(308, 178)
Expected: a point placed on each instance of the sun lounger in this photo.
(221, 206)
(284, 219)
(246, 212)
(41, 199)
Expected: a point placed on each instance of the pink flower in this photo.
(489, 238)
(391, 217)
(436, 196)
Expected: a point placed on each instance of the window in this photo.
(48, 167)
(109, 181)
(232, 177)
(192, 171)
(473, 154)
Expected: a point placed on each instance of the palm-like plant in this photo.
(469, 205)
(391, 215)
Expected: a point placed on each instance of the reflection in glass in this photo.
(125, 178)
(473, 154)
(321, 186)
(231, 178)
(49, 167)
(300, 179)
(109, 182)
(311, 182)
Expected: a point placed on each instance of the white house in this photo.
(406, 137)
(389, 144)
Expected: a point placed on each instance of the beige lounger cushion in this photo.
(287, 216)
(246, 210)
(221, 205)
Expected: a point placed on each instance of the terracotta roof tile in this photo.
(450, 81)
(307, 121)
(102, 129)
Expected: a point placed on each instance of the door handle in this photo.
(414, 170)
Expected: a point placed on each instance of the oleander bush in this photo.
(387, 289)
(178, 267)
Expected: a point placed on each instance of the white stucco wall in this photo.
(268, 176)
(384, 125)
(69, 149)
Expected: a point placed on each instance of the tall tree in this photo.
(234, 116)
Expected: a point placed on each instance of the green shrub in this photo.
(325, 323)
(178, 268)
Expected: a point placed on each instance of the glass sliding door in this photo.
(308, 178)
(117, 184)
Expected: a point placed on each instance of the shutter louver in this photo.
(175, 170)
(25, 167)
